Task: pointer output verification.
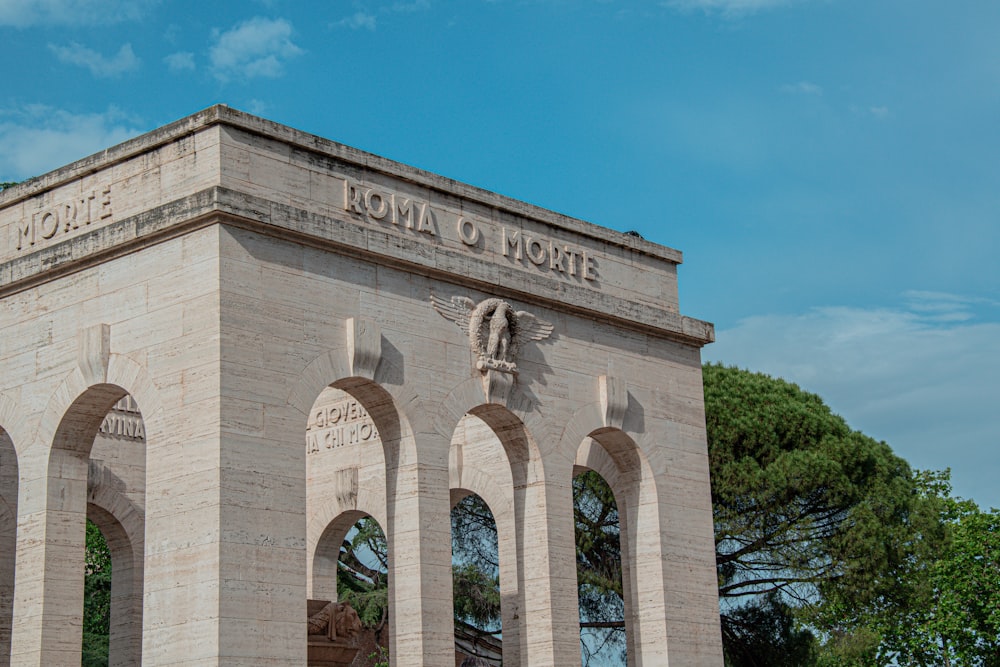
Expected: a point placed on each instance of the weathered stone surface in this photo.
(223, 342)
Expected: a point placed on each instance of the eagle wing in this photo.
(458, 309)
(529, 327)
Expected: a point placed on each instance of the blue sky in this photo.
(828, 167)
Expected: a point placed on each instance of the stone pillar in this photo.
(48, 603)
(125, 642)
(225, 538)
(550, 615)
(419, 536)
(8, 541)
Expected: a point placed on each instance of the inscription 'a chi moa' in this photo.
(339, 424)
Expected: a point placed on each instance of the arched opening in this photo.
(626, 477)
(352, 566)
(96, 598)
(97, 471)
(8, 541)
(346, 506)
(599, 571)
(493, 456)
(476, 579)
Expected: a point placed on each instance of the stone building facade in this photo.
(226, 340)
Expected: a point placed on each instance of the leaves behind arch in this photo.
(96, 598)
(362, 573)
(801, 502)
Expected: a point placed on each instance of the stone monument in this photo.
(226, 341)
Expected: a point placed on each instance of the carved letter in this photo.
(427, 223)
(49, 223)
(570, 259)
(589, 266)
(535, 250)
(106, 202)
(383, 206)
(25, 232)
(557, 260)
(468, 231)
(512, 241)
(352, 197)
(69, 217)
(403, 208)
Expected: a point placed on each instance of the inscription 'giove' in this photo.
(65, 217)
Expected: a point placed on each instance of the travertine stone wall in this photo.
(307, 334)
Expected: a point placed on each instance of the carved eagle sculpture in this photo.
(496, 332)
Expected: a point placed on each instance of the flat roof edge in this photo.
(221, 114)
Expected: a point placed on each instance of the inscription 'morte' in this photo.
(65, 217)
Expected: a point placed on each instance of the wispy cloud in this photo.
(923, 375)
(367, 20)
(26, 13)
(726, 8)
(38, 138)
(356, 21)
(257, 47)
(880, 112)
(99, 65)
(802, 88)
(180, 61)
(413, 6)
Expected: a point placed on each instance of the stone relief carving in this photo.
(496, 331)
(337, 620)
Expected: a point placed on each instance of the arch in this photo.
(531, 511)
(69, 425)
(468, 395)
(75, 395)
(126, 548)
(481, 464)
(615, 455)
(416, 498)
(326, 553)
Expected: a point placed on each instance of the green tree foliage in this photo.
(941, 603)
(97, 599)
(362, 573)
(598, 568)
(475, 568)
(6, 184)
(803, 505)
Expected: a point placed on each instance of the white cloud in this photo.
(727, 8)
(38, 139)
(258, 107)
(180, 61)
(413, 6)
(357, 20)
(802, 88)
(879, 112)
(25, 13)
(100, 66)
(924, 376)
(257, 47)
